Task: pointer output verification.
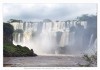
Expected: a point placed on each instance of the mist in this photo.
(58, 37)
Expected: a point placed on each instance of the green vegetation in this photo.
(17, 51)
(9, 49)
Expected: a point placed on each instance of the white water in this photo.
(48, 37)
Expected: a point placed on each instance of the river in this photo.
(43, 61)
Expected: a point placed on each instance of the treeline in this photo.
(9, 49)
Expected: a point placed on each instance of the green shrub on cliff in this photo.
(11, 50)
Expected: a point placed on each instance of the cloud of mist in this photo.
(42, 44)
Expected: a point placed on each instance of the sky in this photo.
(37, 12)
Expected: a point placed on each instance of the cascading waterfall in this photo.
(92, 47)
(49, 37)
(90, 42)
(18, 38)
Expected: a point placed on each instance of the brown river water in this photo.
(43, 61)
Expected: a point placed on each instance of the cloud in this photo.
(61, 11)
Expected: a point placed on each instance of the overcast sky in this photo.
(46, 11)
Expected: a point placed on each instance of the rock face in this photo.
(61, 50)
(7, 33)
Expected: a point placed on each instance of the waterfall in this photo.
(92, 47)
(48, 37)
(90, 42)
(19, 38)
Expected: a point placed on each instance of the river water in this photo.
(43, 61)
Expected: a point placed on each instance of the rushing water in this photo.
(51, 37)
